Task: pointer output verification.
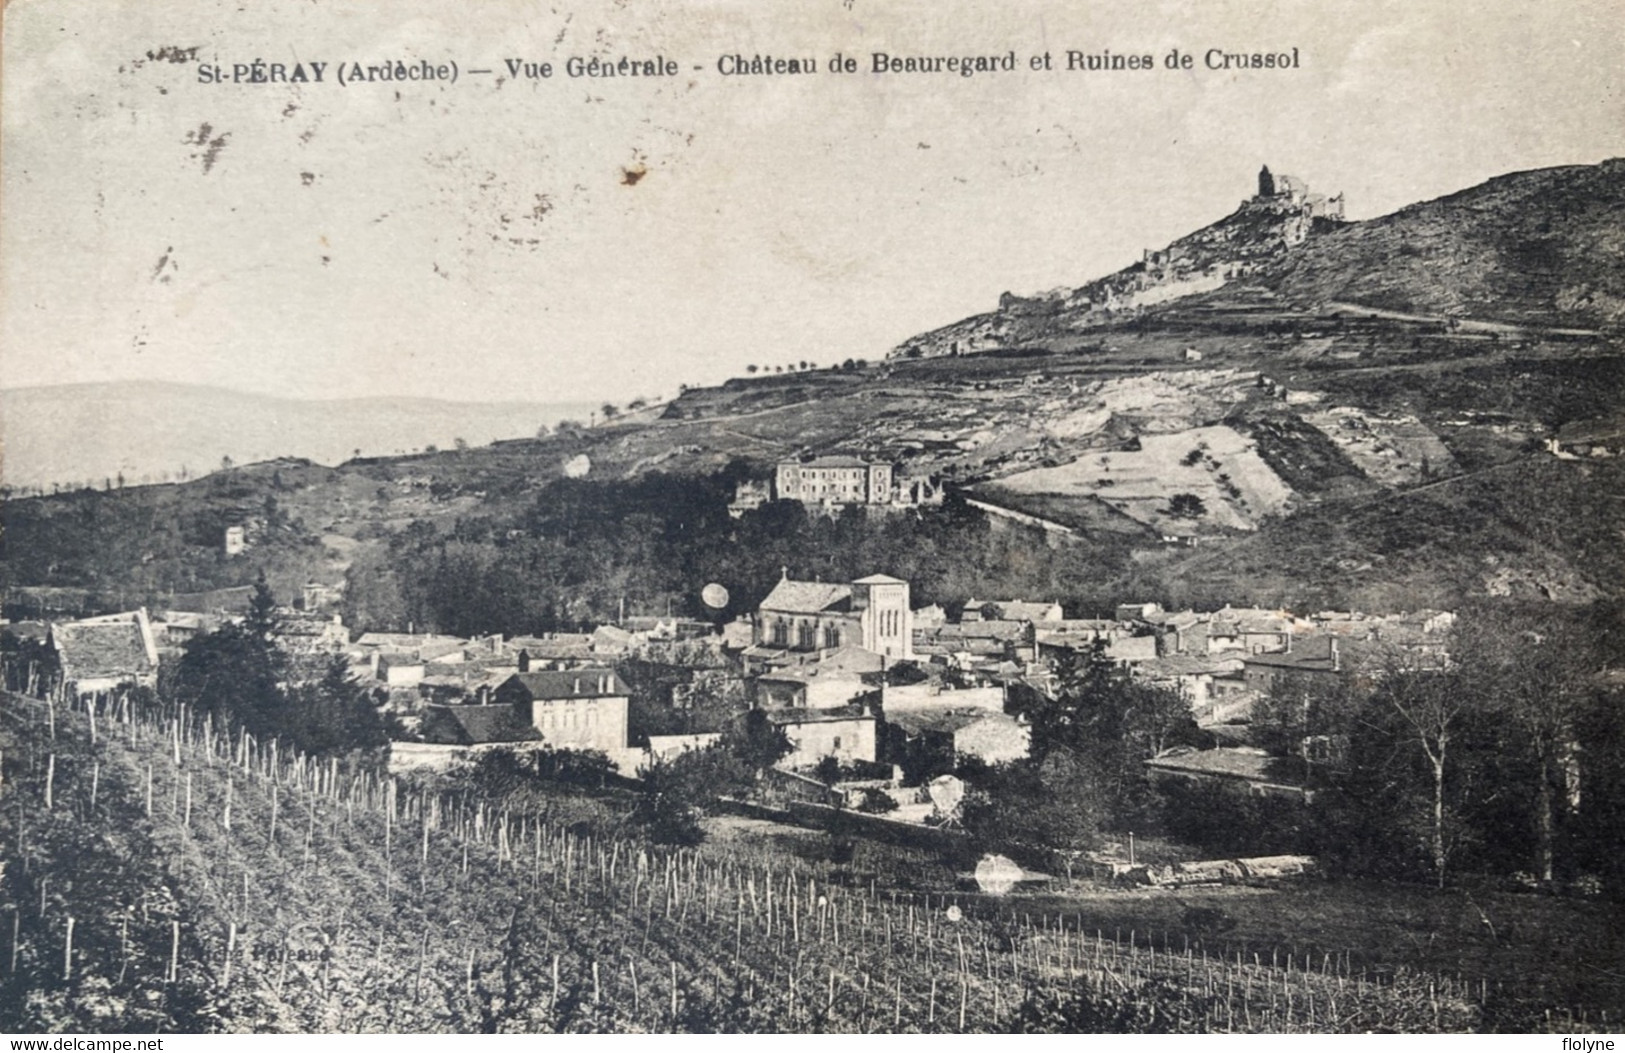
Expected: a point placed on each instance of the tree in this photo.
(29, 663)
(506, 773)
(1055, 801)
(1307, 718)
(827, 770)
(1111, 722)
(334, 714)
(757, 742)
(677, 792)
(1186, 506)
(460, 443)
(1536, 672)
(609, 411)
(261, 618)
(1430, 705)
(235, 674)
(751, 369)
(1097, 704)
(670, 804)
(876, 801)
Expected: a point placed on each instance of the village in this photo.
(881, 702)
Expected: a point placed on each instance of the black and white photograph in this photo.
(841, 516)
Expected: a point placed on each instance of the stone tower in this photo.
(887, 621)
(1266, 182)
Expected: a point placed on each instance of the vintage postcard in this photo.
(843, 516)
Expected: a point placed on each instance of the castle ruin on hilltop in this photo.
(1284, 213)
(1291, 192)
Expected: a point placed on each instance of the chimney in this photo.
(524, 660)
(1337, 660)
(576, 689)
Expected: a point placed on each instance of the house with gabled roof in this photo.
(1251, 630)
(847, 734)
(834, 679)
(571, 708)
(1196, 677)
(1317, 658)
(1012, 610)
(931, 742)
(106, 653)
(476, 725)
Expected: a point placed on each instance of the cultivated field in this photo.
(161, 874)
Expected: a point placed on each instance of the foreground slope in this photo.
(164, 876)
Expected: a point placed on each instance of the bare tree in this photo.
(1430, 704)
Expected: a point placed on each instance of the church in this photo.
(872, 613)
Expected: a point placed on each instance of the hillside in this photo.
(147, 432)
(1544, 248)
(1322, 454)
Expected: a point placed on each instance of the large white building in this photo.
(834, 481)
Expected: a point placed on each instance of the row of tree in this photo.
(1506, 757)
(1503, 755)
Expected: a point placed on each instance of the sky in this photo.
(483, 240)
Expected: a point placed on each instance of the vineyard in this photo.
(162, 874)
